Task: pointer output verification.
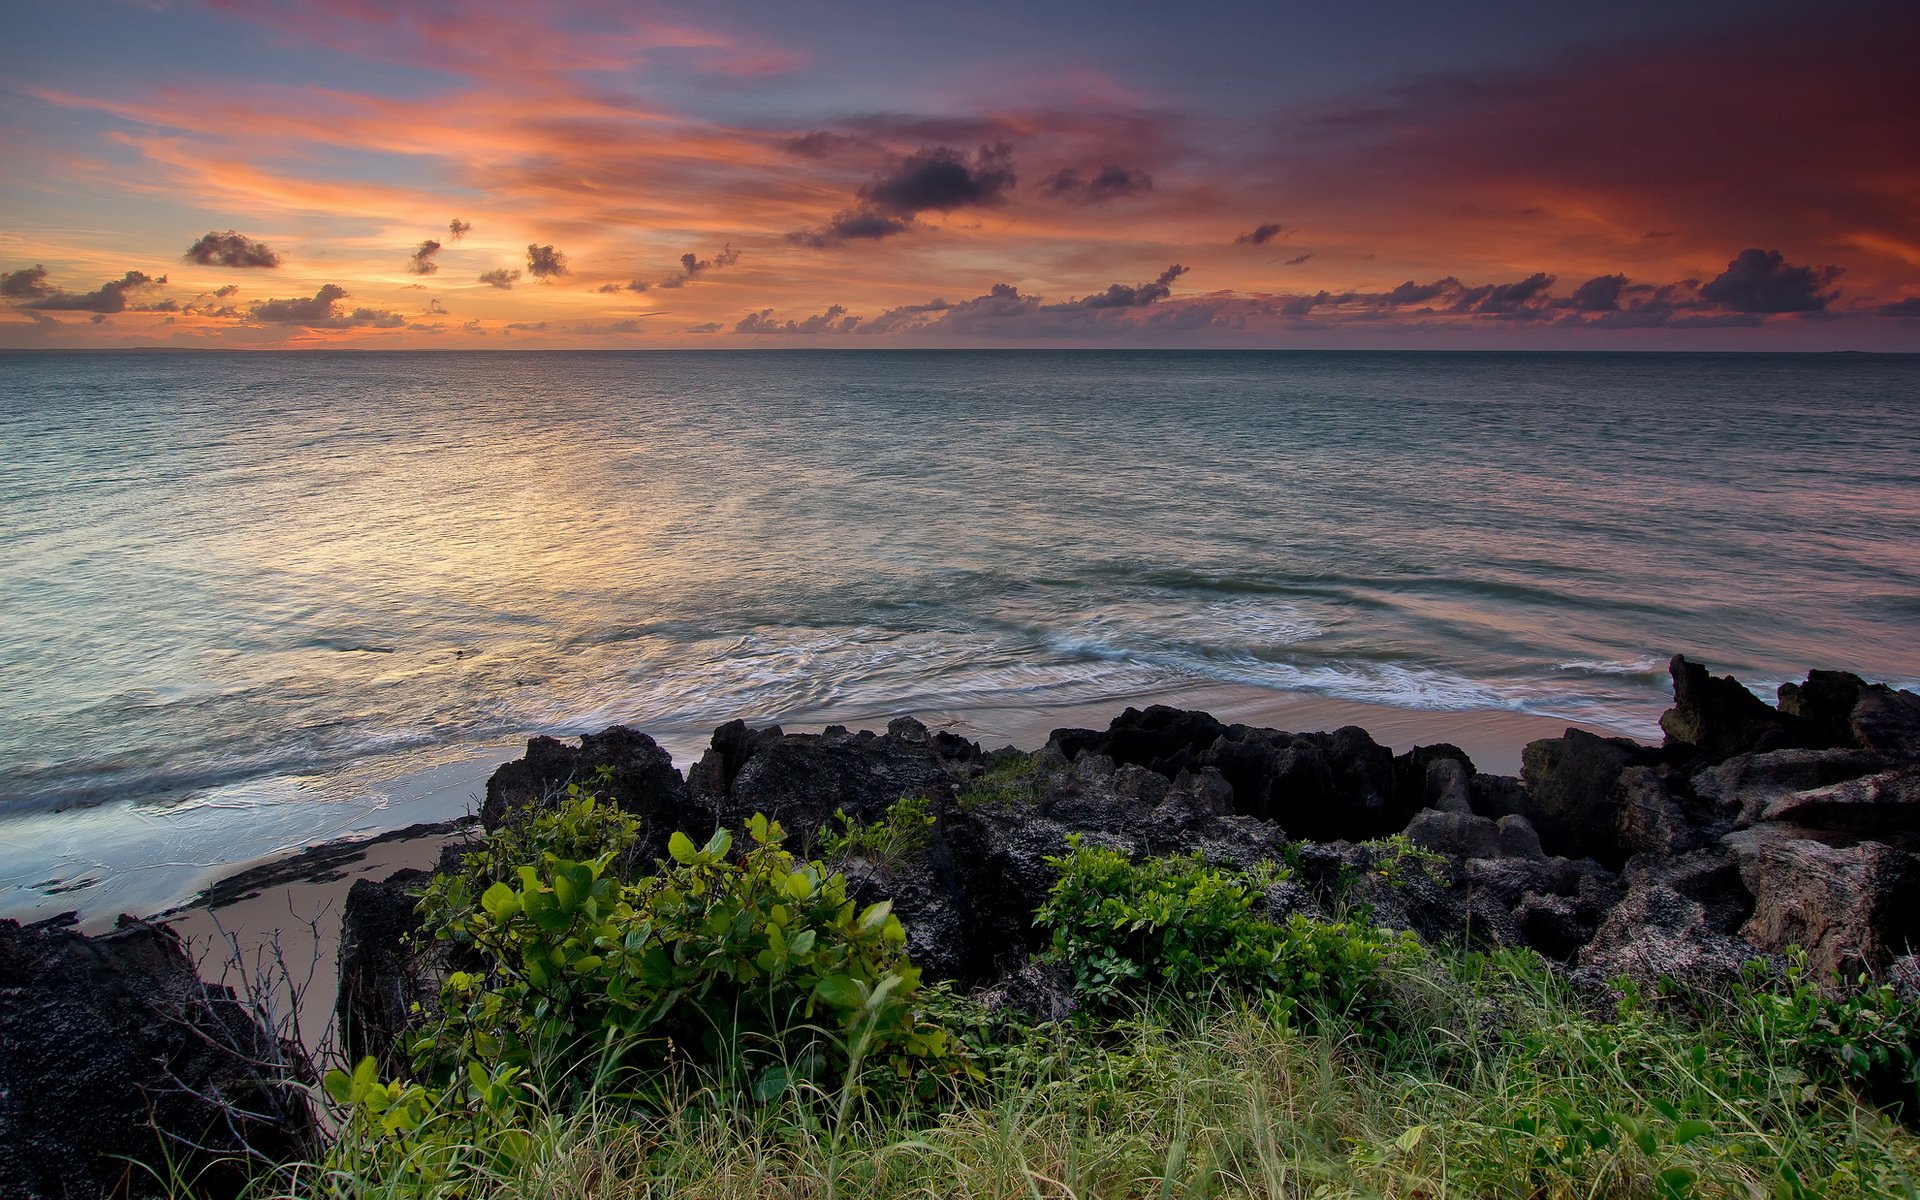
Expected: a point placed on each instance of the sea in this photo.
(240, 593)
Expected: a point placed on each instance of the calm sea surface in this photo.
(217, 569)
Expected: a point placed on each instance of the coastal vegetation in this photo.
(736, 1025)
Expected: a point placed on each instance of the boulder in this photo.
(1572, 791)
(1887, 720)
(802, 779)
(381, 975)
(1518, 838)
(1556, 926)
(1853, 903)
(1718, 718)
(1438, 776)
(639, 777)
(1887, 803)
(1461, 834)
(1650, 820)
(1741, 788)
(1709, 875)
(1324, 786)
(119, 1063)
(1498, 796)
(1656, 934)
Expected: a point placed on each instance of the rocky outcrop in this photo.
(618, 764)
(802, 779)
(1718, 718)
(1572, 791)
(1852, 902)
(120, 1068)
(381, 974)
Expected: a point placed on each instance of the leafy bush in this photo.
(1868, 1036)
(754, 974)
(1012, 779)
(1184, 928)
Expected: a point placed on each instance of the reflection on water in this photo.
(218, 568)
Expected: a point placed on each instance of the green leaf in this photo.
(500, 901)
(1687, 1131)
(799, 886)
(718, 845)
(875, 915)
(339, 1085)
(680, 846)
(841, 991)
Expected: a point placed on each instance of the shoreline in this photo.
(285, 819)
(280, 917)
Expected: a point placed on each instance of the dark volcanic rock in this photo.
(1518, 838)
(1656, 933)
(116, 1051)
(1887, 803)
(801, 779)
(1324, 786)
(1719, 718)
(642, 781)
(1651, 819)
(1572, 795)
(1462, 834)
(381, 976)
(1888, 720)
(1824, 705)
(1851, 902)
(1742, 787)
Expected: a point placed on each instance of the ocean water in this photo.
(221, 573)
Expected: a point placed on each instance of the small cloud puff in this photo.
(231, 249)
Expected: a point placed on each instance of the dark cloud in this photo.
(421, 262)
(231, 249)
(692, 266)
(544, 262)
(628, 325)
(1910, 307)
(1599, 294)
(1761, 281)
(1410, 293)
(834, 320)
(1297, 259)
(502, 277)
(526, 327)
(1260, 235)
(109, 297)
(942, 179)
(852, 225)
(1111, 183)
(232, 289)
(26, 283)
(708, 327)
(1119, 295)
(435, 308)
(1527, 297)
(322, 311)
(457, 229)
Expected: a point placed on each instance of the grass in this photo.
(1505, 1086)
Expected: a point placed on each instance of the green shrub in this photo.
(1013, 779)
(1868, 1036)
(905, 829)
(1179, 927)
(751, 974)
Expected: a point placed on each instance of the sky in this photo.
(459, 174)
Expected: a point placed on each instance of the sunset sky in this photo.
(1715, 174)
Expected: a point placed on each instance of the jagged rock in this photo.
(1876, 804)
(643, 781)
(1719, 718)
(801, 779)
(1426, 899)
(1885, 719)
(1461, 834)
(1650, 820)
(1571, 791)
(1037, 991)
(1824, 705)
(1742, 787)
(1656, 933)
(381, 976)
(1324, 786)
(1518, 838)
(1498, 796)
(1710, 875)
(1438, 776)
(1851, 902)
(117, 1055)
(1556, 926)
